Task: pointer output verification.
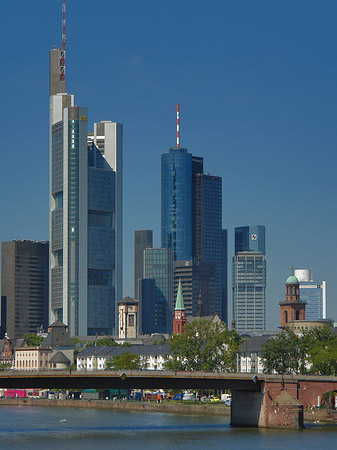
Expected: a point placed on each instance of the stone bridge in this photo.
(257, 400)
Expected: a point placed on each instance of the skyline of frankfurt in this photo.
(257, 87)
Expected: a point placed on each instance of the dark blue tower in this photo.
(176, 202)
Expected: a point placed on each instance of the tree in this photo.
(315, 352)
(205, 345)
(33, 340)
(285, 353)
(125, 361)
(322, 350)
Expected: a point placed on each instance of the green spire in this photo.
(180, 299)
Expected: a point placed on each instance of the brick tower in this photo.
(292, 308)
(179, 320)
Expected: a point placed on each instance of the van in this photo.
(189, 397)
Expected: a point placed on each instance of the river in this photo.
(70, 428)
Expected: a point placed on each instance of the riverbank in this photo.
(316, 416)
(165, 406)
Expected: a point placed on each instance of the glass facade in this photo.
(249, 279)
(176, 202)
(143, 239)
(83, 227)
(158, 265)
(250, 239)
(209, 233)
(314, 294)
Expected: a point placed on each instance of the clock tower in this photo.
(179, 320)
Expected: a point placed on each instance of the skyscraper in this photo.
(208, 233)
(143, 240)
(24, 287)
(159, 267)
(85, 212)
(176, 202)
(313, 293)
(249, 279)
(191, 225)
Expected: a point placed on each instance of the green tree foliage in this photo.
(322, 351)
(33, 340)
(314, 352)
(125, 361)
(284, 353)
(205, 345)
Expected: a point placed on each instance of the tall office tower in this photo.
(24, 286)
(176, 202)
(85, 212)
(198, 281)
(209, 237)
(147, 298)
(224, 248)
(313, 293)
(249, 279)
(143, 239)
(159, 267)
(191, 212)
(197, 168)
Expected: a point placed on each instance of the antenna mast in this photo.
(178, 126)
(63, 45)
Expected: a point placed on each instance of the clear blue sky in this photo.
(257, 85)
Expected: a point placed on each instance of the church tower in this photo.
(292, 308)
(179, 320)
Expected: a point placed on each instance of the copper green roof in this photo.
(180, 299)
(292, 280)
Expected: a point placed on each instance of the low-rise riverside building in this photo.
(55, 352)
(250, 360)
(32, 358)
(94, 358)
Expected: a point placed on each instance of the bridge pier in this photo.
(260, 409)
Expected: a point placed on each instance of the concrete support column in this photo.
(246, 408)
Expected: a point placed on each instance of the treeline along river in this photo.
(27, 427)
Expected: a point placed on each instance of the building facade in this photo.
(176, 202)
(147, 299)
(143, 239)
(292, 309)
(209, 234)
(24, 287)
(85, 215)
(191, 221)
(313, 293)
(249, 279)
(128, 318)
(198, 281)
(159, 267)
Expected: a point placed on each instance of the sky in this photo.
(257, 88)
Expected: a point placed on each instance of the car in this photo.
(215, 399)
(228, 402)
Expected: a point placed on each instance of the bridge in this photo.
(262, 400)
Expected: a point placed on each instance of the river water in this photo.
(70, 428)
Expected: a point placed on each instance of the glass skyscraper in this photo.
(176, 202)
(191, 221)
(143, 239)
(249, 279)
(313, 293)
(208, 232)
(85, 215)
(158, 265)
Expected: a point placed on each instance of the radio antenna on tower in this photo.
(178, 138)
(63, 45)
